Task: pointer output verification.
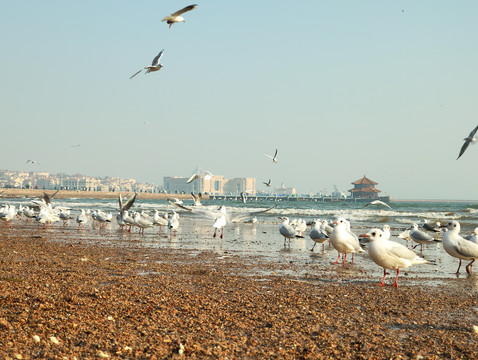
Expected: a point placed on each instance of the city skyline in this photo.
(346, 89)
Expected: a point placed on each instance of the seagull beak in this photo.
(365, 235)
(335, 222)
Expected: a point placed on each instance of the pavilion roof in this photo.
(364, 180)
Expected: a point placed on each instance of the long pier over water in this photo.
(260, 198)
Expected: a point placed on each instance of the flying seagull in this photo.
(32, 161)
(274, 158)
(268, 184)
(469, 139)
(200, 174)
(176, 16)
(377, 202)
(155, 65)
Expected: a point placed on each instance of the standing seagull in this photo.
(390, 255)
(176, 16)
(287, 230)
(274, 158)
(459, 247)
(420, 237)
(343, 240)
(469, 139)
(155, 65)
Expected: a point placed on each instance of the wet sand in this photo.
(105, 293)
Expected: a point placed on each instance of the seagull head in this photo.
(374, 235)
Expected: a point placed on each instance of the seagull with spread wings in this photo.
(155, 65)
(469, 139)
(176, 16)
(274, 158)
(377, 202)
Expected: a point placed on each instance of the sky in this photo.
(343, 89)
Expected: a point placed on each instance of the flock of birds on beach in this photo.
(386, 253)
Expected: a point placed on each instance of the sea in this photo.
(262, 241)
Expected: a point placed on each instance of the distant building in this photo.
(285, 191)
(177, 184)
(215, 185)
(364, 188)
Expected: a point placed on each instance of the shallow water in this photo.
(263, 243)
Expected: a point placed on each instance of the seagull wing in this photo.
(243, 216)
(183, 10)
(172, 202)
(473, 132)
(157, 59)
(269, 156)
(132, 76)
(463, 148)
(129, 203)
(120, 200)
(275, 155)
(192, 178)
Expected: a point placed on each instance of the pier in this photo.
(261, 198)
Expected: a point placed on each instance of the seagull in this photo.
(155, 65)
(458, 247)
(82, 219)
(274, 158)
(32, 161)
(243, 197)
(377, 202)
(390, 255)
(474, 236)
(176, 16)
(197, 199)
(343, 240)
(420, 237)
(469, 139)
(173, 223)
(318, 234)
(160, 220)
(200, 174)
(268, 184)
(220, 222)
(287, 230)
(429, 227)
(75, 145)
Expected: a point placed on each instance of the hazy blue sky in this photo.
(342, 88)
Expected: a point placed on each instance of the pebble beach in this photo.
(66, 295)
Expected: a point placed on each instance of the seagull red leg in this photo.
(395, 284)
(468, 267)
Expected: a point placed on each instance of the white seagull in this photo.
(469, 139)
(274, 158)
(32, 161)
(377, 202)
(459, 247)
(343, 240)
(176, 16)
(155, 65)
(390, 255)
(206, 175)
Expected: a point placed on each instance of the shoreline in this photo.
(70, 194)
